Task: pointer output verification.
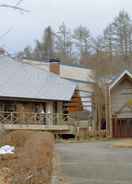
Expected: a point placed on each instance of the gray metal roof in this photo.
(25, 81)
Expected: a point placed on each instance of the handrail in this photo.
(36, 118)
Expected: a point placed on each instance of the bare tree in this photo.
(64, 41)
(82, 41)
(16, 6)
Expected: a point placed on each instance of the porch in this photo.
(57, 123)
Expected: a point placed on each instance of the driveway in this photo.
(95, 163)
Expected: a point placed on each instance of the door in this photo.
(122, 128)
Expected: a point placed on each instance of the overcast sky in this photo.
(26, 28)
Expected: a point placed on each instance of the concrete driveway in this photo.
(95, 163)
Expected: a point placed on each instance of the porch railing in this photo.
(23, 119)
(36, 118)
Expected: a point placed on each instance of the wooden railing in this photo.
(36, 118)
(50, 122)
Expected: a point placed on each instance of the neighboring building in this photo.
(117, 105)
(24, 88)
(84, 78)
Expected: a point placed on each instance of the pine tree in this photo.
(27, 53)
(48, 43)
(44, 49)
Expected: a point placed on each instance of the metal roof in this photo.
(21, 80)
(72, 72)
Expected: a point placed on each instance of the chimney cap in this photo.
(54, 60)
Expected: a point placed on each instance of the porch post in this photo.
(108, 114)
(59, 112)
(49, 113)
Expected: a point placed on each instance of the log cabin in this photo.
(31, 95)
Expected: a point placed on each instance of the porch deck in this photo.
(63, 129)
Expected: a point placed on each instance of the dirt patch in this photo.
(125, 143)
(32, 161)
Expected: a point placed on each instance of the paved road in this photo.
(96, 163)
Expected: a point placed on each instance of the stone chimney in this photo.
(54, 66)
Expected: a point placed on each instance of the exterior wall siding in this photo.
(120, 96)
(75, 105)
(76, 73)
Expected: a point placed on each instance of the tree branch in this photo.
(5, 33)
(19, 2)
(15, 7)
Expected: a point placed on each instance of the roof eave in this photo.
(126, 72)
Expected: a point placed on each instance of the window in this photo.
(8, 107)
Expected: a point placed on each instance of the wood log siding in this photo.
(75, 104)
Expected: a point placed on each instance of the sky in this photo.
(25, 28)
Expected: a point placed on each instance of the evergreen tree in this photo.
(44, 49)
(47, 46)
(27, 53)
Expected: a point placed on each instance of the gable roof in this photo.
(116, 80)
(20, 80)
